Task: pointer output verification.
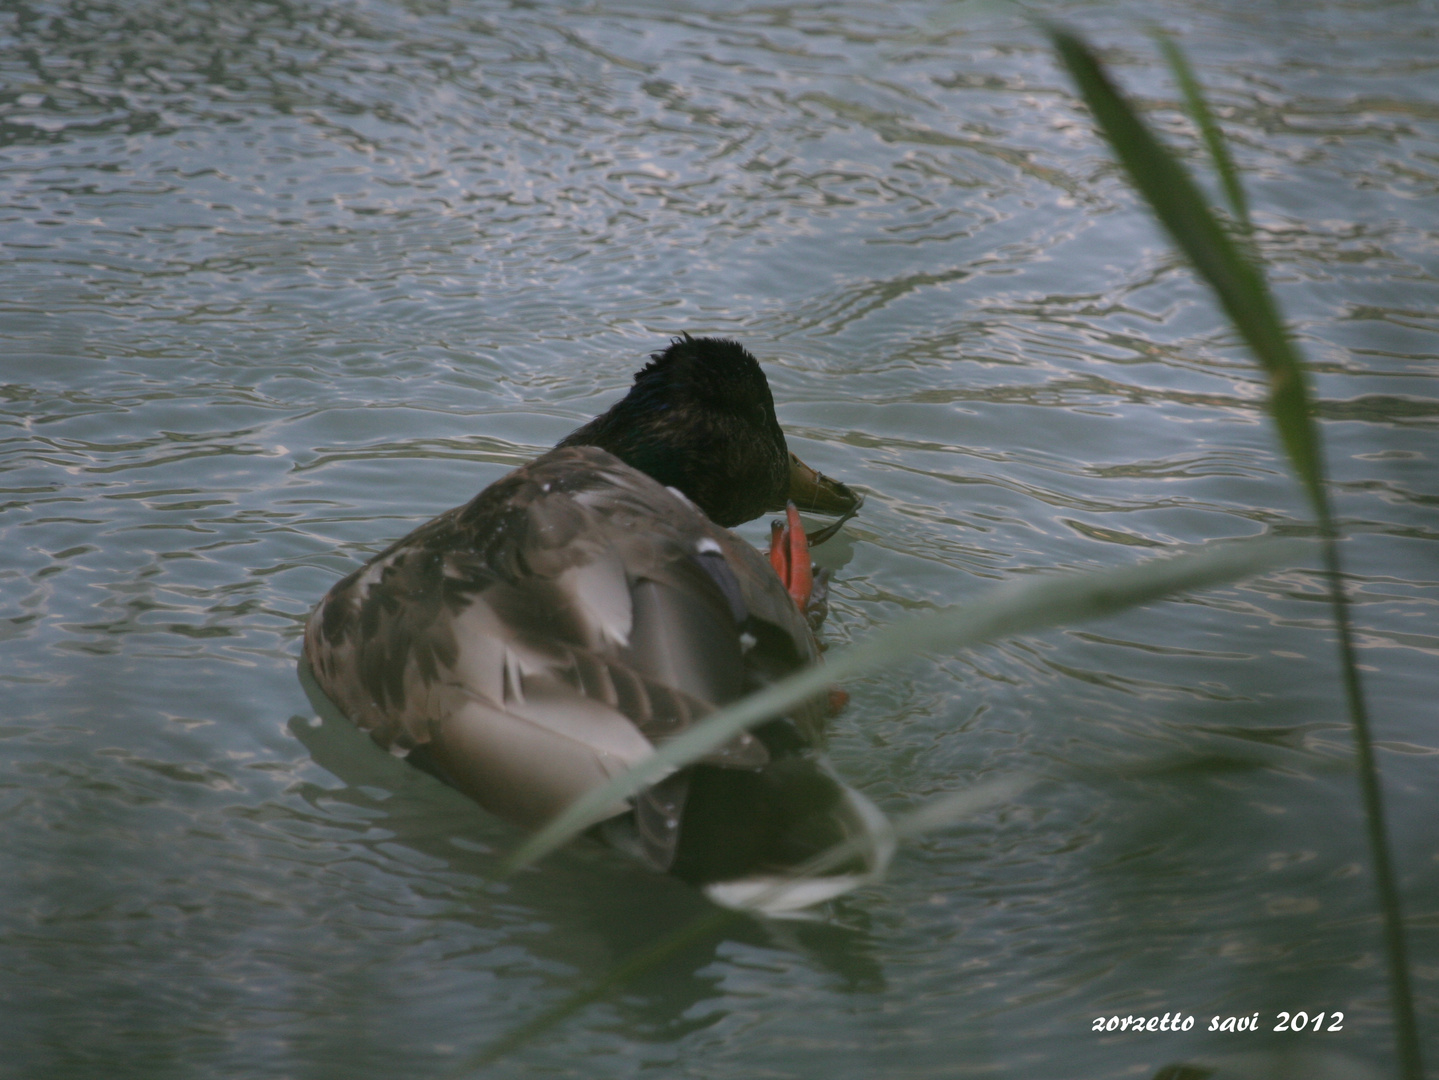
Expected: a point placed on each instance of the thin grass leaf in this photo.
(936, 814)
(1244, 294)
(939, 813)
(1017, 608)
(1183, 211)
(1203, 118)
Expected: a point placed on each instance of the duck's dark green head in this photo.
(700, 418)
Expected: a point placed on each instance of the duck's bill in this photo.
(816, 493)
(813, 491)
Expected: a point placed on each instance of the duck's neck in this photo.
(731, 468)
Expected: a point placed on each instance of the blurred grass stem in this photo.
(1239, 282)
(1203, 118)
(1020, 607)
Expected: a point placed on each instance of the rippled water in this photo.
(282, 280)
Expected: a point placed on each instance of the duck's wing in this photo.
(547, 635)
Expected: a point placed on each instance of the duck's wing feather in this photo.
(547, 635)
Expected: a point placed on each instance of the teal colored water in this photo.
(281, 280)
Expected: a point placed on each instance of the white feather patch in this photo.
(779, 897)
(371, 577)
(513, 690)
(600, 591)
(682, 497)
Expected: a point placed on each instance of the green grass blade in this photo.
(1184, 212)
(1406, 1027)
(1017, 608)
(1209, 129)
(1244, 294)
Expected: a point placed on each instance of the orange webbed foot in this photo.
(789, 555)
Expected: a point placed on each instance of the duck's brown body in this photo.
(548, 634)
(537, 641)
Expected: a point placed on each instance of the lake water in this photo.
(282, 280)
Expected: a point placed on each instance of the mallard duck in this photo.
(540, 639)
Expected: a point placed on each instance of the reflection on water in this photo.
(624, 907)
(283, 280)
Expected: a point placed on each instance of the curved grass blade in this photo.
(1241, 288)
(1017, 608)
(1203, 118)
(1243, 292)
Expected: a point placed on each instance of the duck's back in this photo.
(548, 634)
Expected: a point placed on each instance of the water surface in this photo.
(281, 281)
